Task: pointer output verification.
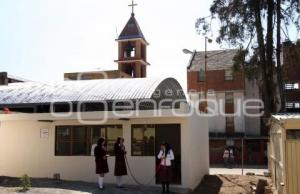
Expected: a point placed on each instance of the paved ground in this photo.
(257, 170)
(48, 186)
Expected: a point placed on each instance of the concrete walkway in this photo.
(49, 186)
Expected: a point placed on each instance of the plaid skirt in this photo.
(165, 174)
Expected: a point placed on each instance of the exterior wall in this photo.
(239, 120)
(23, 151)
(291, 69)
(215, 80)
(252, 124)
(197, 151)
(217, 124)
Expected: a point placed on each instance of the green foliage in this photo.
(25, 182)
(250, 67)
(250, 24)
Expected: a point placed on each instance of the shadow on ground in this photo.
(45, 186)
(210, 184)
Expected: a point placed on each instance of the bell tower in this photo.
(132, 49)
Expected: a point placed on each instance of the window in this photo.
(229, 98)
(293, 134)
(78, 140)
(228, 75)
(112, 134)
(201, 76)
(143, 140)
(292, 105)
(292, 86)
(229, 124)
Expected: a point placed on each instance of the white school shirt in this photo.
(92, 149)
(166, 161)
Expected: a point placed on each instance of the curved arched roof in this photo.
(90, 90)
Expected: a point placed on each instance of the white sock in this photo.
(100, 182)
(119, 181)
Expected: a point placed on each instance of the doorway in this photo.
(170, 133)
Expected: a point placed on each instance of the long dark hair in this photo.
(118, 142)
(100, 141)
(167, 146)
(119, 139)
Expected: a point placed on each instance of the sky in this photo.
(42, 39)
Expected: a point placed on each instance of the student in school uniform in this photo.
(166, 156)
(226, 157)
(120, 163)
(101, 161)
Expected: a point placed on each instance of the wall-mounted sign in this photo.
(44, 133)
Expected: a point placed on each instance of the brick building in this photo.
(291, 64)
(218, 83)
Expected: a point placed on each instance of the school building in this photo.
(49, 128)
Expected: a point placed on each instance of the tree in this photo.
(250, 24)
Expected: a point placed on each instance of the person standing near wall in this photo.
(226, 157)
(166, 156)
(120, 163)
(101, 161)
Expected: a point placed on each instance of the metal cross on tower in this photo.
(132, 5)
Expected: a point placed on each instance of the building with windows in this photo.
(226, 93)
(291, 67)
(55, 126)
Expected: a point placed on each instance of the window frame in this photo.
(88, 138)
(227, 100)
(228, 77)
(132, 143)
(201, 78)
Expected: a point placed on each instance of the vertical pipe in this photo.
(242, 155)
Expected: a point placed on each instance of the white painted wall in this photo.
(217, 124)
(252, 124)
(23, 151)
(239, 120)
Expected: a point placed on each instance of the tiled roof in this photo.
(87, 91)
(216, 60)
(132, 30)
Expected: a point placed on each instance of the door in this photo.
(170, 133)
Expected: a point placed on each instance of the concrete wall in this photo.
(252, 124)
(217, 124)
(22, 150)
